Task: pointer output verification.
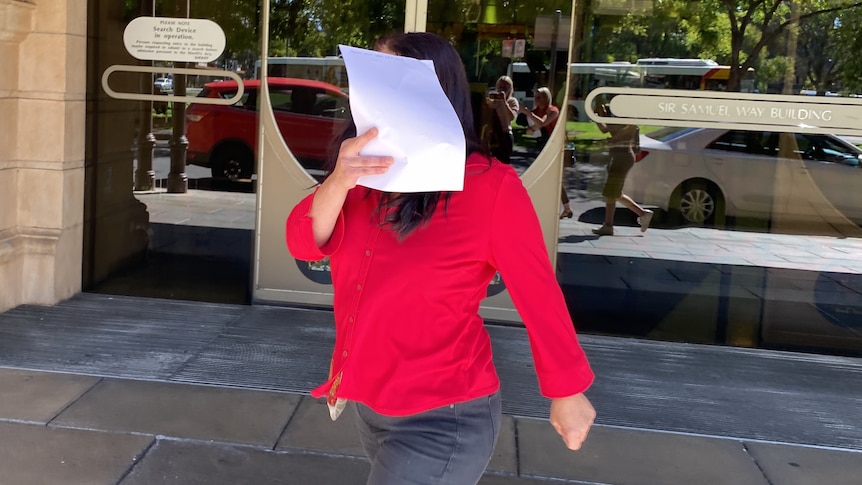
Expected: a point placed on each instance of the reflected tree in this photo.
(297, 27)
(317, 27)
(673, 28)
(847, 48)
(743, 34)
(818, 65)
(756, 24)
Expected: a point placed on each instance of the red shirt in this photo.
(408, 334)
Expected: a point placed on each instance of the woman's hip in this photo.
(449, 444)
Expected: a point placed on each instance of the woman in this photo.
(409, 272)
(504, 109)
(623, 145)
(541, 121)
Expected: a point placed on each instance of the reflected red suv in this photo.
(309, 114)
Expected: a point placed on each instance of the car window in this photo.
(247, 100)
(280, 98)
(331, 105)
(309, 101)
(826, 149)
(749, 142)
(302, 100)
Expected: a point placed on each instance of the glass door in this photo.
(742, 143)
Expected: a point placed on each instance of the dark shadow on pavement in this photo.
(622, 217)
(578, 238)
(216, 185)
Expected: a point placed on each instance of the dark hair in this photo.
(450, 72)
(407, 212)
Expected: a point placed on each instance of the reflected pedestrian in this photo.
(504, 108)
(409, 273)
(623, 145)
(541, 121)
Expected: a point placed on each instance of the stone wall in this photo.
(42, 98)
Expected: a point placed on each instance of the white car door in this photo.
(834, 167)
(744, 165)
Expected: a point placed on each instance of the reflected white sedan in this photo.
(702, 175)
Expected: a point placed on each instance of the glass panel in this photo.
(170, 207)
(522, 45)
(308, 79)
(754, 236)
(170, 203)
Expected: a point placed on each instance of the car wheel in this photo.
(233, 162)
(699, 203)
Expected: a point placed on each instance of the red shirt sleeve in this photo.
(519, 254)
(300, 237)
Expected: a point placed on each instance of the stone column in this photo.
(145, 176)
(178, 181)
(42, 98)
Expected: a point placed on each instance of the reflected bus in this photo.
(656, 73)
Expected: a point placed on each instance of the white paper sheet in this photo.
(417, 125)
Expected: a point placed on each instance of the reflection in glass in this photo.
(756, 236)
(197, 243)
(755, 232)
(153, 225)
(522, 42)
(304, 46)
(309, 115)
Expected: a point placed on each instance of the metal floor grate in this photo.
(710, 390)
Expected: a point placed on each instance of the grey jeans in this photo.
(447, 445)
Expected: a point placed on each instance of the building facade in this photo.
(43, 46)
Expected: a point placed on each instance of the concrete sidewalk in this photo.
(76, 429)
(105, 389)
(66, 420)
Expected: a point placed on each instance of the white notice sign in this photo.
(729, 110)
(174, 39)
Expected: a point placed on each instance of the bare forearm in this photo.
(536, 119)
(349, 167)
(505, 113)
(325, 209)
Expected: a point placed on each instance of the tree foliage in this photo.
(755, 24)
(848, 46)
(740, 33)
(316, 27)
(743, 34)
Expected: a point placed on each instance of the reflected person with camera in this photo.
(504, 107)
